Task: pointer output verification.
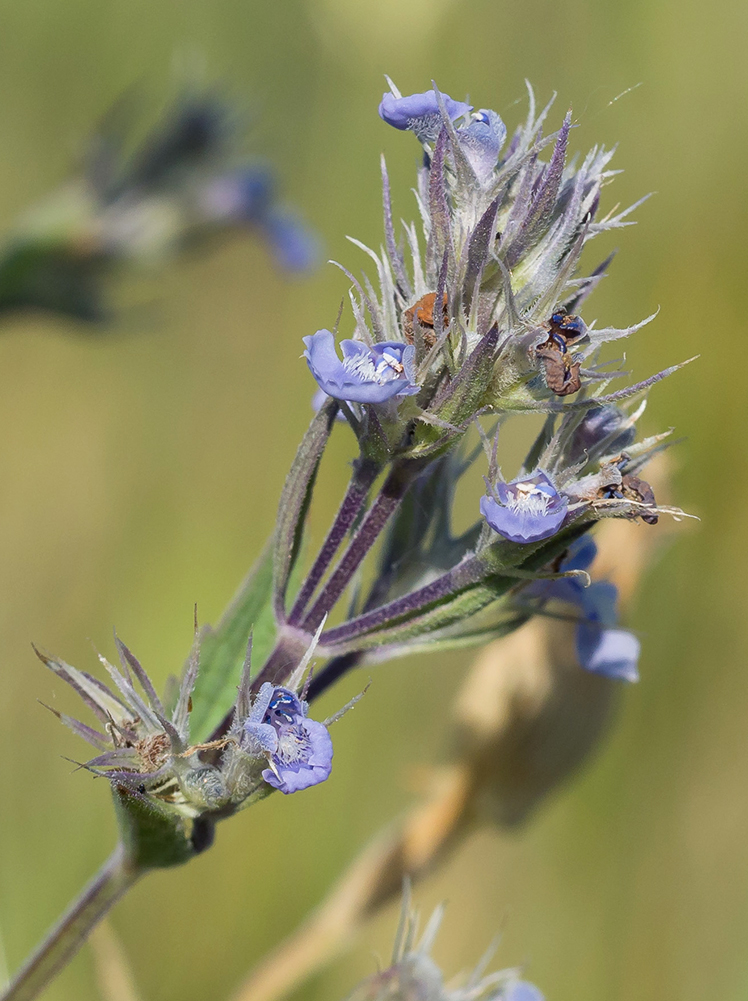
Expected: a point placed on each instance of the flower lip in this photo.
(299, 750)
(525, 510)
(419, 113)
(481, 139)
(284, 705)
(613, 653)
(365, 375)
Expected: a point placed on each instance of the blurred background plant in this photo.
(143, 497)
(132, 207)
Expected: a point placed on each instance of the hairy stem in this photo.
(385, 505)
(112, 881)
(500, 560)
(289, 650)
(363, 477)
(470, 571)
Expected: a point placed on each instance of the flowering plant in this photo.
(471, 320)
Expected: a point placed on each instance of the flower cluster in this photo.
(474, 318)
(500, 248)
(479, 322)
(477, 317)
(146, 752)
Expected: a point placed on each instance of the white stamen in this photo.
(292, 746)
(364, 367)
(361, 365)
(527, 498)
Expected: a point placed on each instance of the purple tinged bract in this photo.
(481, 140)
(526, 510)
(419, 113)
(298, 749)
(365, 375)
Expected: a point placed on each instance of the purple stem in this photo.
(364, 475)
(381, 511)
(280, 664)
(471, 571)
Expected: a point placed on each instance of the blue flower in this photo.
(613, 653)
(526, 510)
(249, 197)
(420, 112)
(365, 375)
(294, 245)
(601, 648)
(482, 140)
(299, 750)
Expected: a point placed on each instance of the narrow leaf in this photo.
(294, 503)
(396, 258)
(223, 648)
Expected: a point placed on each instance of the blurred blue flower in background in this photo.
(601, 648)
(187, 182)
(249, 197)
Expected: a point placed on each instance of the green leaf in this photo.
(223, 648)
(297, 493)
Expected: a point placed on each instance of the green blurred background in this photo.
(140, 470)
